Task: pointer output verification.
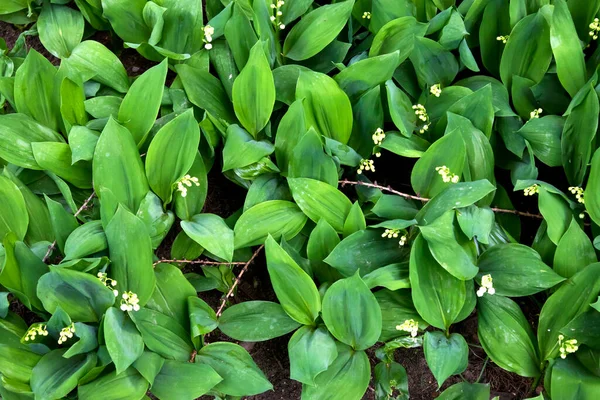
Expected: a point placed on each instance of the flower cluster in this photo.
(410, 325)
(421, 113)
(436, 90)
(578, 192)
(209, 31)
(567, 346)
(531, 190)
(276, 17)
(130, 302)
(393, 234)
(186, 181)
(103, 276)
(35, 330)
(595, 28)
(378, 136)
(366, 15)
(66, 333)
(365, 165)
(535, 113)
(503, 39)
(487, 285)
(447, 176)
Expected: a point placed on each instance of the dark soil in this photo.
(224, 198)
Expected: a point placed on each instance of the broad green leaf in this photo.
(396, 307)
(556, 213)
(412, 147)
(570, 380)
(449, 151)
(316, 30)
(445, 356)
(72, 104)
(438, 296)
(543, 134)
(171, 154)
(163, 335)
(528, 52)
(241, 149)
(570, 62)
(55, 376)
(85, 240)
(291, 128)
(124, 342)
(60, 29)
(117, 166)
(384, 11)
(592, 190)
(321, 242)
(476, 222)
(517, 270)
(367, 113)
(82, 296)
(294, 288)
(352, 313)
(466, 391)
(142, 102)
(203, 318)
(253, 92)
(13, 214)
(392, 277)
(17, 133)
(584, 328)
(267, 187)
(241, 376)
(506, 335)
(433, 64)
(390, 377)
(355, 221)
(308, 160)
(574, 251)
(347, 378)
(443, 244)
(92, 60)
(326, 106)
(131, 255)
(57, 157)
(570, 300)
(478, 108)
(4, 304)
(401, 111)
(129, 384)
(311, 351)
(157, 221)
(193, 203)
(364, 251)
(183, 380)
(256, 321)
(397, 35)
(364, 75)
(127, 20)
(211, 232)
(83, 143)
(182, 31)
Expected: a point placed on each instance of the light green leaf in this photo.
(397, 35)
(574, 242)
(180, 380)
(242, 150)
(60, 29)
(445, 356)
(55, 376)
(124, 342)
(57, 158)
(311, 351)
(129, 384)
(85, 240)
(13, 214)
(211, 232)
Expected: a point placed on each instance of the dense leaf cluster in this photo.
(291, 99)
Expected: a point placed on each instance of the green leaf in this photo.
(364, 251)
(60, 29)
(72, 104)
(83, 143)
(92, 60)
(570, 300)
(124, 342)
(528, 52)
(543, 134)
(85, 240)
(131, 255)
(291, 128)
(396, 307)
(321, 242)
(352, 313)
(311, 351)
(163, 335)
(517, 270)
(389, 377)
(4, 304)
(397, 35)
(319, 200)
(476, 222)
(13, 214)
(392, 277)
(570, 381)
(82, 296)
(355, 221)
(179, 380)
(438, 296)
(127, 19)
(256, 321)
(56, 157)
(157, 221)
(445, 356)
(574, 242)
(570, 62)
(253, 92)
(592, 190)
(433, 64)
(347, 378)
(556, 213)
(308, 160)
(365, 74)
(295, 290)
(211, 232)
(55, 376)
(203, 318)
(129, 384)
(316, 30)
(401, 110)
(442, 241)
(242, 150)
(241, 376)
(466, 391)
(326, 106)
(117, 166)
(171, 154)
(506, 336)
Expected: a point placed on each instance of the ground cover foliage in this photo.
(484, 102)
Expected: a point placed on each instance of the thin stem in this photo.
(482, 369)
(424, 199)
(83, 207)
(237, 281)
(202, 262)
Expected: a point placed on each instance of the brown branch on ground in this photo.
(201, 262)
(83, 207)
(424, 199)
(237, 281)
